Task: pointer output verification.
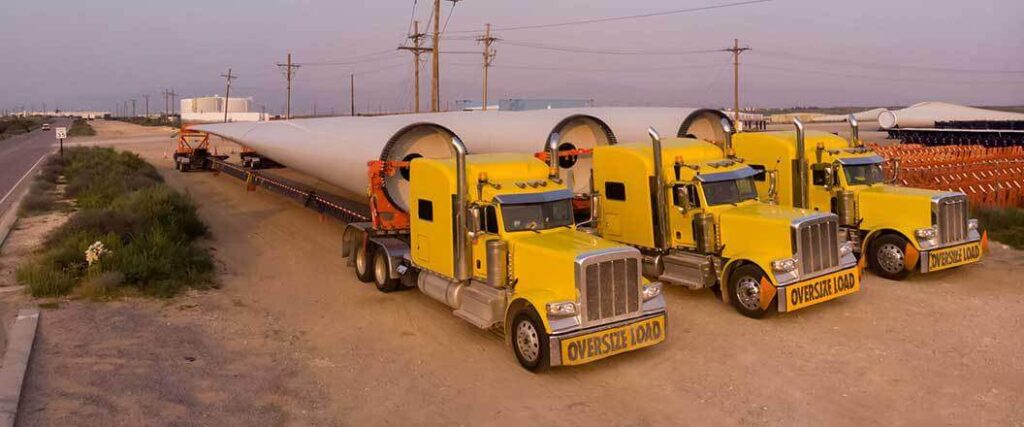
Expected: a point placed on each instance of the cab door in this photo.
(820, 191)
(685, 202)
(489, 230)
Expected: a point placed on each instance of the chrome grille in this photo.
(951, 218)
(818, 244)
(611, 289)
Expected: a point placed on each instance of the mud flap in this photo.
(767, 292)
(912, 255)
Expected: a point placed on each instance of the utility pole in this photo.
(147, 104)
(435, 74)
(133, 108)
(417, 49)
(289, 72)
(227, 92)
(736, 51)
(352, 93)
(489, 54)
(167, 101)
(172, 95)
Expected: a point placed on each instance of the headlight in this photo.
(652, 290)
(845, 249)
(562, 309)
(972, 224)
(784, 265)
(925, 233)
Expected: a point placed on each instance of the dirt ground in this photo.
(293, 338)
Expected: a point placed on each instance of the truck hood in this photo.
(760, 228)
(549, 258)
(877, 203)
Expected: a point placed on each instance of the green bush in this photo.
(80, 127)
(147, 229)
(1003, 225)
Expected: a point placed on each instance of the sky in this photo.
(96, 54)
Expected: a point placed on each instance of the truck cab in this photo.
(697, 218)
(899, 229)
(502, 250)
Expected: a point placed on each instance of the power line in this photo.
(544, 46)
(449, 18)
(883, 78)
(619, 18)
(799, 57)
(592, 70)
(369, 57)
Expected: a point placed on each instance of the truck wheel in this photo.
(530, 341)
(745, 291)
(363, 270)
(888, 257)
(381, 272)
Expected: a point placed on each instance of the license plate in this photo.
(609, 342)
(821, 289)
(941, 259)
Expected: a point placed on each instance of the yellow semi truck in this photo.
(696, 218)
(897, 229)
(504, 253)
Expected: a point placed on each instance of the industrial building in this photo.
(211, 109)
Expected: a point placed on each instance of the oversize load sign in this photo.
(62, 133)
(598, 345)
(821, 289)
(952, 257)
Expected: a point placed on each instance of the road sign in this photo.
(62, 133)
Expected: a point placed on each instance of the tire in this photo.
(364, 271)
(530, 342)
(382, 273)
(887, 257)
(745, 291)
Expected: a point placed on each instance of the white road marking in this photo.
(16, 184)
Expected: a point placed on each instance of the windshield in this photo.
(864, 174)
(730, 191)
(537, 216)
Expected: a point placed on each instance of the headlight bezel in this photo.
(563, 309)
(846, 248)
(927, 233)
(973, 225)
(652, 290)
(785, 265)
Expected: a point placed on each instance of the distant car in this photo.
(46, 126)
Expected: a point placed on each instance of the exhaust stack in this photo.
(854, 131)
(801, 167)
(659, 187)
(553, 156)
(462, 268)
(729, 130)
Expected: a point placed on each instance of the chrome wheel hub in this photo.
(748, 293)
(891, 258)
(527, 341)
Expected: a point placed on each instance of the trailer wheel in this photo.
(745, 291)
(888, 255)
(382, 273)
(363, 270)
(530, 341)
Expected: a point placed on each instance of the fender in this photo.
(768, 283)
(888, 228)
(538, 299)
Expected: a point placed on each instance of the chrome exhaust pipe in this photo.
(553, 156)
(462, 267)
(801, 165)
(854, 131)
(729, 130)
(659, 195)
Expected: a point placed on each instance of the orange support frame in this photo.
(189, 141)
(383, 213)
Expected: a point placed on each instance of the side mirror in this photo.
(474, 220)
(830, 177)
(682, 198)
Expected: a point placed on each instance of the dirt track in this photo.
(939, 349)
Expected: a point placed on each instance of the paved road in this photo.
(18, 154)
